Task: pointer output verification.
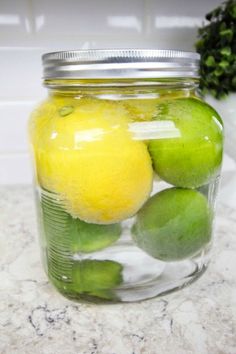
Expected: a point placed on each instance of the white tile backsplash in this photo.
(15, 16)
(88, 17)
(15, 168)
(21, 73)
(190, 9)
(179, 38)
(29, 28)
(13, 120)
(175, 23)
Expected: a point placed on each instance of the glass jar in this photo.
(127, 162)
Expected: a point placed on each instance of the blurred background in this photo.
(29, 28)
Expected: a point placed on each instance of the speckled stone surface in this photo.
(35, 319)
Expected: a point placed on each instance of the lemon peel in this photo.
(91, 160)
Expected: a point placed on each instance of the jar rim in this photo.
(120, 63)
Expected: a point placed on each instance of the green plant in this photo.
(217, 47)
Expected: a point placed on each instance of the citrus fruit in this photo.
(89, 279)
(86, 154)
(75, 235)
(96, 278)
(194, 158)
(173, 224)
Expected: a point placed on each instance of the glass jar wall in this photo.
(126, 178)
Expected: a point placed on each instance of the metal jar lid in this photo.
(120, 63)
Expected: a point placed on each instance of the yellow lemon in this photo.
(86, 154)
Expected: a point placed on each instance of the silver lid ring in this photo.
(120, 63)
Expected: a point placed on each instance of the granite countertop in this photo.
(34, 318)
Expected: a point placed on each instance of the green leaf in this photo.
(217, 46)
(232, 10)
(224, 64)
(221, 95)
(223, 26)
(234, 81)
(210, 61)
(227, 33)
(214, 13)
(213, 92)
(218, 71)
(200, 44)
(226, 51)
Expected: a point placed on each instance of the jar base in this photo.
(151, 279)
(160, 286)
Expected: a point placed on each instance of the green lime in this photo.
(89, 280)
(64, 235)
(194, 158)
(96, 278)
(74, 235)
(173, 224)
(92, 237)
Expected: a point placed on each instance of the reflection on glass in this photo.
(89, 135)
(154, 130)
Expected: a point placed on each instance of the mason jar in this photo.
(127, 161)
